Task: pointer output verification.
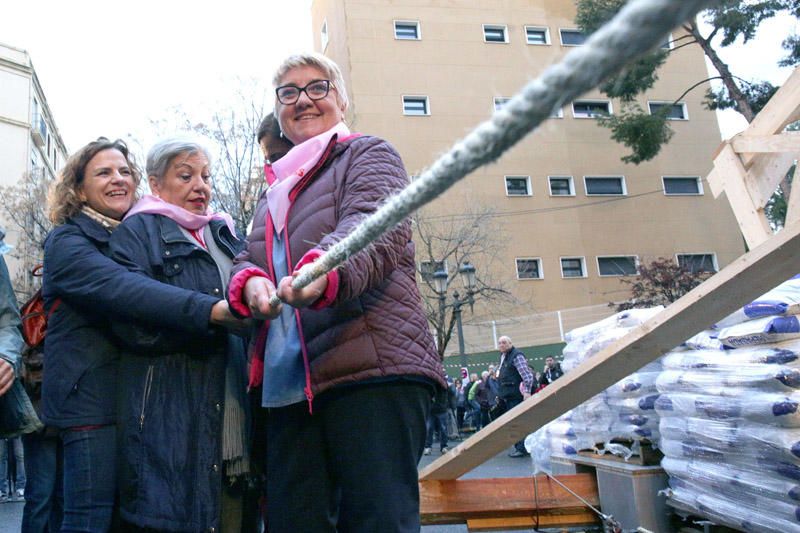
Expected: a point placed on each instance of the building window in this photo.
(407, 30)
(572, 37)
(622, 265)
(604, 185)
(518, 186)
(561, 185)
(494, 33)
(590, 108)
(675, 111)
(529, 268)
(416, 106)
(537, 35)
(573, 267)
(499, 102)
(698, 262)
(323, 35)
(427, 268)
(679, 185)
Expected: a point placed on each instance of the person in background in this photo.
(183, 408)
(85, 293)
(515, 380)
(485, 398)
(348, 364)
(461, 404)
(12, 470)
(271, 141)
(552, 370)
(437, 420)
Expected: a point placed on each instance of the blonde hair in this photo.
(320, 62)
(64, 200)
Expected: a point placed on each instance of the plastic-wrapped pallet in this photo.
(729, 411)
(623, 411)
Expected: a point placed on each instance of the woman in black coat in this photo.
(182, 409)
(84, 291)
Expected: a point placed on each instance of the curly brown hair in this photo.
(64, 198)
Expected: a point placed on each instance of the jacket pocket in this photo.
(148, 385)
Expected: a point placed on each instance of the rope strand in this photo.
(639, 27)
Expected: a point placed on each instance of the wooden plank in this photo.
(782, 109)
(739, 283)
(456, 501)
(793, 205)
(715, 181)
(574, 519)
(788, 141)
(751, 218)
(765, 174)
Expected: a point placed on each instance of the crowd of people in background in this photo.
(471, 402)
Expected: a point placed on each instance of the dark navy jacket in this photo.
(80, 355)
(172, 389)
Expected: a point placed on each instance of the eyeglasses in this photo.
(316, 90)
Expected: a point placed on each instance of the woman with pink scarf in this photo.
(182, 416)
(346, 367)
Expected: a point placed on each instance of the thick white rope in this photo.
(639, 27)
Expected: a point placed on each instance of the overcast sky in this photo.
(109, 70)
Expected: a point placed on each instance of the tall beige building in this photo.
(422, 73)
(29, 139)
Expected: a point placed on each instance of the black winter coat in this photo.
(172, 388)
(80, 355)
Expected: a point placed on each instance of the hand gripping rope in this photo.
(639, 27)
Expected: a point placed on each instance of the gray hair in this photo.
(506, 337)
(164, 151)
(320, 62)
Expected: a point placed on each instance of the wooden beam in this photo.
(788, 141)
(457, 501)
(547, 521)
(765, 174)
(793, 205)
(746, 278)
(751, 218)
(782, 109)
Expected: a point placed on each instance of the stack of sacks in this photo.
(730, 418)
(623, 411)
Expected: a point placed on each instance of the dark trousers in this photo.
(437, 423)
(89, 479)
(352, 465)
(43, 492)
(510, 404)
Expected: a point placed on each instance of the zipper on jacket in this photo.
(148, 385)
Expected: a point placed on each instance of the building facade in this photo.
(423, 73)
(31, 150)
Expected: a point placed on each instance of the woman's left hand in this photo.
(299, 298)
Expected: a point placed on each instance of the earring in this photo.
(281, 135)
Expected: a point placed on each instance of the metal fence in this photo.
(528, 330)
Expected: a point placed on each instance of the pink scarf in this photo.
(191, 221)
(290, 168)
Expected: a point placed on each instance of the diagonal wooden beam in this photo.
(749, 276)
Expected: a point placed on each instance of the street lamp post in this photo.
(469, 279)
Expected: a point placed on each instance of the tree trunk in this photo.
(742, 105)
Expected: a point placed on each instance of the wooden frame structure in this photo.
(748, 169)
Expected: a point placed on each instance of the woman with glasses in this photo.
(347, 365)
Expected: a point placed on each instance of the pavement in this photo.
(499, 466)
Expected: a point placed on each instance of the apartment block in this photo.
(423, 73)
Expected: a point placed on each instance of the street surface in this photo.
(500, 466)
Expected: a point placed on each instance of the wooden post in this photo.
(742, 281)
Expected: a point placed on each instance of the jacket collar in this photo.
(171, 233)
(90, 228)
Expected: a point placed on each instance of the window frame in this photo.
(504, 99)
(582, 260)
(697, 179)
(570, 180)
(415, 23)
(635, 265)
(570, 30)
(663, 103)
(608, 104)
(324, 37)
(545, 29)
(539, 268)
(590, 177)
(518, 176)
(713, 255)
(503, 27)
(418, 97)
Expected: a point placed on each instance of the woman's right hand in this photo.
(257, 293)
(221, 316)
